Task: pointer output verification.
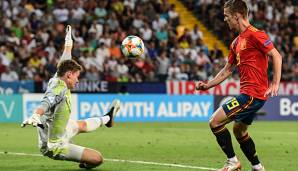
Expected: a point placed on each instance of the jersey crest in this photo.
(242, 44)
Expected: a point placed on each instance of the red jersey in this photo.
(248, 51)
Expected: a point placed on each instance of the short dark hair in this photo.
(68, 65)
(239, 6)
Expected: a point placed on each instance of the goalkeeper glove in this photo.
(34, 120)
(68, 39)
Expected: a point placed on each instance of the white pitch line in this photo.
(162, 164)
(124, 161)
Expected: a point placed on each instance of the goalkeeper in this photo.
(52, 117)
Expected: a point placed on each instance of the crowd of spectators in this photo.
(32, 38)
(279, 18)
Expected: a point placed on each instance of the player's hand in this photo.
(34, 120)
(201, 86)
(68, 38)
(68, 29)
(272, 90)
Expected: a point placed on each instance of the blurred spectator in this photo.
(163, 63)
(151, 50)
(113, 22)
(92, 74)
(77, 13)
(9, 75)
(101, 11)
(162, 34)
(61, 13)
(115, 50)
(138, 21)
(173, 71)
(215, 53)
(183, 75)
(146, 32)
(2, 67)
(174, 16)
(196, 33)
(130, 3)
(159, 22)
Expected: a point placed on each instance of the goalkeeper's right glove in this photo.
(33, 120)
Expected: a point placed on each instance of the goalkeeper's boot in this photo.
(231, 166)
(261, 169)
(114, 108)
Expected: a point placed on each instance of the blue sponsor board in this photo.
(16, 87)
(280, 108)
(148, 108)
(11, 108)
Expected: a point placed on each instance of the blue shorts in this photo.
(242, 108)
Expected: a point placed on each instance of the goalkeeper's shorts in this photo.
(62, 149)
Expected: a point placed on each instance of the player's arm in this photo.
(277, 64)
(34, 119)
(54, 95)
(67, 45)
(223, 74)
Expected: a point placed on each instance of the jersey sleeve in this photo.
(263, 42)
(65, 56)
(55, 93)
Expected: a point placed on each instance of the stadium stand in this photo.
(32, 37)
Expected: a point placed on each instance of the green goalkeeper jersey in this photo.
(57, 103)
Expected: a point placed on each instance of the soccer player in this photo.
(52, 117)
(249, 54)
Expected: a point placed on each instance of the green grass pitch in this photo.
(188, 144)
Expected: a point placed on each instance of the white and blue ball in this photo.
(132, 47)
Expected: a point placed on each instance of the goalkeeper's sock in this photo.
(248, 147)
(224, 140)
(94, 123)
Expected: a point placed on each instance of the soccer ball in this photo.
(132, 47)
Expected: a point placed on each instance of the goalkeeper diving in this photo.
(52, 117)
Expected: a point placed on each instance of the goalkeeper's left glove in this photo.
(34, 120)
(68, 38)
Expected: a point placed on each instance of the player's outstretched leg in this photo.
(217, 124)
(92, 124)
(71, 152)
(247, 145)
